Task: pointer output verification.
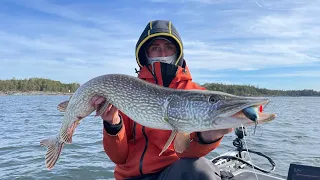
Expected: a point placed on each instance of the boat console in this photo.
(303, 172)
(236, 165)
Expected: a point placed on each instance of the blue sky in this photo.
(267, 43)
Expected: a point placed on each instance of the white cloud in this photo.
(196, 1)
(262, 74)
(254, 40)
(213, 57)
(63, 50)
(79, 13)
(208, 76)
(276, 80)
(202, 81)
(311, 74)
(247, 69)
(86, 40)
(282, 5)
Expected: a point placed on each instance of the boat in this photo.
(237, 165)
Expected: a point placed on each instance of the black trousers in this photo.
(186, 169)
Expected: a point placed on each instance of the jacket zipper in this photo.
(143, 131)
(144, 151)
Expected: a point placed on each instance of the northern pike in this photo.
(154, 106)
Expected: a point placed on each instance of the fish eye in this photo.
(213, 99)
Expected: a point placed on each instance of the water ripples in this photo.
(25, 120)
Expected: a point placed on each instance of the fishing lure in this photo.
(252, 114)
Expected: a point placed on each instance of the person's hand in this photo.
(213, 135)
(110, 115)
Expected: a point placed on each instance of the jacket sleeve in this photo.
(115, 142)
(198, 148)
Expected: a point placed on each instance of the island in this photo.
(36, 86)
(42, 86)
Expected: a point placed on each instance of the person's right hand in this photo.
(110, 115)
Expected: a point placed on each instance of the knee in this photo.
(196, 162)
(202, 161)
(201, 168)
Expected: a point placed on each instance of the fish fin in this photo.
(169, 141)
(102, 109)
(62, 106)
(54, 147)
(181, 142)
(66, 135)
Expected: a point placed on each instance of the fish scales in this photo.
(154, 106)
(193, 110)
(137, 98)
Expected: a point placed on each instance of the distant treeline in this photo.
(41, 84)
(249, 90)
(37, 84)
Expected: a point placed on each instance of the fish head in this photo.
(209, 110)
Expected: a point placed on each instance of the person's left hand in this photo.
(213, 135)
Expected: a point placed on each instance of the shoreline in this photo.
(36, 93)
(26, 93)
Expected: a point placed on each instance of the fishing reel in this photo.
(240, 132)
(237, 142)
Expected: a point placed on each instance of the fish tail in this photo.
(54, 147)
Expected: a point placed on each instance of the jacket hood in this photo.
(155, 29)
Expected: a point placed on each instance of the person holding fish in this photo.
(173, 121)
(138, 151)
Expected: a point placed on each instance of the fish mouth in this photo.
(234, 110)
(262, 116)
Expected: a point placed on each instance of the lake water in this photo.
(24, 120)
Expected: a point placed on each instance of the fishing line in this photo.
(254, 131)
(245, 142)
(262, 108)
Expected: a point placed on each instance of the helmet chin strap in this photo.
(168, 59)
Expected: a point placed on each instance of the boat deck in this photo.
(249, 175)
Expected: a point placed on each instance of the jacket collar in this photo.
(182, 74)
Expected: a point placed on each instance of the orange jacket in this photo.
(140, 155)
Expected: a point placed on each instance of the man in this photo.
(134, 148)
